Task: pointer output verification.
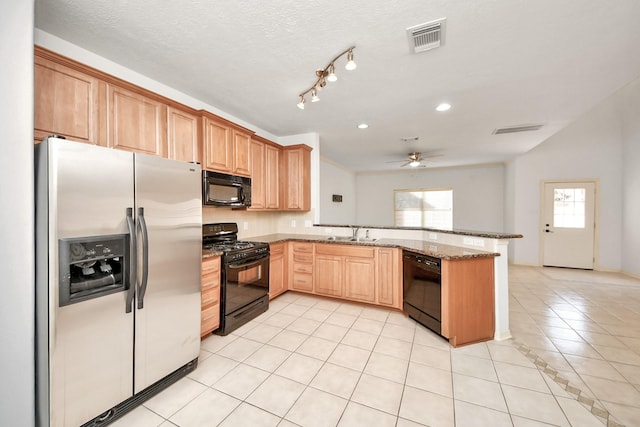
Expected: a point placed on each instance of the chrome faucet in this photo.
(354, 230)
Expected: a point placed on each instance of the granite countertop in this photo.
(210, 253)
(436, 250)
(487, 234)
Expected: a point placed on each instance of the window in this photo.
(424, 208)
(569, 207)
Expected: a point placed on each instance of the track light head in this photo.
(314, 96)
(301, 103)
(351, 65)
(331, 77)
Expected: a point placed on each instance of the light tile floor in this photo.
(316, 362)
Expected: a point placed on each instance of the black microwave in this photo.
(219, 189)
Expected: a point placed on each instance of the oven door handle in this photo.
(251, 264)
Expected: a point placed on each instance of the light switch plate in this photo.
(245, 225)
(293, 223)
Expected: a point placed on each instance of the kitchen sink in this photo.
(351, 239)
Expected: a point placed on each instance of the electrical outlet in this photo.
(473, 242)
(433, 236)
(293, 223)
(308, 223)
(245, 225)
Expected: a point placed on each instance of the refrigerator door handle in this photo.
(133, 261)
(142, 225)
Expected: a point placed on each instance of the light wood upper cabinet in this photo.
(272, 177)
(265, 174)
(241, 153)
(217, 146)
(182, 135)
(258, 183)
(67, 102)
(136, 122)
(226, 147)
(296, 170)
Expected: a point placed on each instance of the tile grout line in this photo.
(592, 405)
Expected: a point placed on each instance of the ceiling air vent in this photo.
(514, 129)
(427, 36)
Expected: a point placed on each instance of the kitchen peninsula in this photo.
(369, 269)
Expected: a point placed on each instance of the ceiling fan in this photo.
(414, 160)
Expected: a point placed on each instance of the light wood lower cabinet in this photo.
(357, 273)
(210, 312)
(277, 269)
(468, 300)
(301, 266)
(328, 275)
(389, 277)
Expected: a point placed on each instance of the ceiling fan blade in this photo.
(406, 163)
(395, 161)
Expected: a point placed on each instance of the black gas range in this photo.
(244, 289)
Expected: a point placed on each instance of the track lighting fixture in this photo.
(327, 74)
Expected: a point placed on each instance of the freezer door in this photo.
(90, 342)
(169, 218)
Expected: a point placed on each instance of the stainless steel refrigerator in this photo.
(118, 252)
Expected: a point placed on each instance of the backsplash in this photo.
(252, 223)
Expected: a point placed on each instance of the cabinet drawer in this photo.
(302, 282)
(303, 268)
(209, 280)
(346, 250)
(212, 312)
(210, 319)
(210, 295)
(303, 257)
(276, 249)
(302, 247)
(210, 265)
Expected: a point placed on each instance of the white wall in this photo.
(589, 148)
(478, 194)
(336, 179)
(631, 178)
(16, 216)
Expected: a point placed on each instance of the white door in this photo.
(568, 228)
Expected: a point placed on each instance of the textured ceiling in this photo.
(504, 63)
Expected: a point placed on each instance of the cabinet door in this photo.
(210, 312)
(241, 153)
(277, 270)
(68, 103)
(328, 275)
(136, 123)
(216, 146)
(182, 135)
(257, 175)
(389, 277)
(297, 170)
(272, 177)
(359, 279)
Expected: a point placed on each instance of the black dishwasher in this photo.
(422, 289)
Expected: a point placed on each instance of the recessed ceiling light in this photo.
(363, 126)
(443, 107)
